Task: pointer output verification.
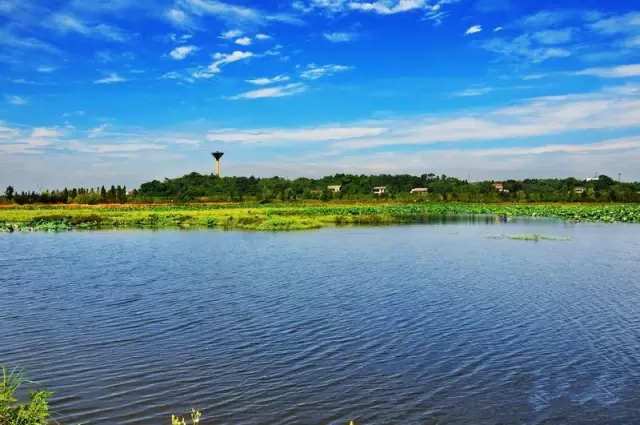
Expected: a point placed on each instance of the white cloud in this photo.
(74, 114)
(244, 41)
(112, 148)
(178, 39)
(534, 77)
(45, 69)
(182, 52)
(227, 58)
(173, 75)
(339, 37)
(497, 29)
(622, 71)
(545, 19)
(554, 36)
(474, 92)
(277, 91)
(111, 78)
(16, 100)
(97, 131)
(13, 41)
(178, 17)
(8, 133)
(265, 81)
(614, 144)
(262, 37)
(42, 136)
(234, 14)
(632, 42)
(314, 72)
(388, 7)
(617, 155)
(65, 23)
(538, 117)
(473, 30)
(45, 132)
(628, 23)
(278, 136)
(433, 10)
(521, 48)
(231, 34)
(220, 59)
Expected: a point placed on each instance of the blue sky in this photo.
(122, 91)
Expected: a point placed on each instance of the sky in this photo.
(127, 91)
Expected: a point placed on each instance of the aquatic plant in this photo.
(286, 216)
(195, 418)
(529, 237)
(34, 412)
(536, 237)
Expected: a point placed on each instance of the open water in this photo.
(420, 324)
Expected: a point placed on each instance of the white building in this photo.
(379, 190)
(419, 190)
(335, 188)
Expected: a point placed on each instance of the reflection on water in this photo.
(412, 324)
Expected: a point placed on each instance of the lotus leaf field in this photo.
(271, 217)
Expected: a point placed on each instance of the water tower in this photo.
(217, 155)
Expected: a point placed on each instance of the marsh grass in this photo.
(284, 216)
(12, 412)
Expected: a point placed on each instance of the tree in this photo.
(9, 192)
(289, 194)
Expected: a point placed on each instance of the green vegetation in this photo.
(195, 418)
(196, 187)
(298, 216)
(33, 412)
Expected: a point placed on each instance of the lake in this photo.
(420, 324)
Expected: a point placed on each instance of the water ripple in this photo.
(385, 325)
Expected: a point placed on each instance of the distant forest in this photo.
(196, 187)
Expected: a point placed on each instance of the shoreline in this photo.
(286, 217)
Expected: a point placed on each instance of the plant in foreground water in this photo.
(35, 412)
(195, 418)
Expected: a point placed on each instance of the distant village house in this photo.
(579, 190)
(334, 189)
(379, 190)
(498, 187)
(419, 190)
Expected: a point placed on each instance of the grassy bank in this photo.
(285, 216)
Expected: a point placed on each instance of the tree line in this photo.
(100, 195)
(196, 187)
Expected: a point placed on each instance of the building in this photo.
(419, 190)
(334, 189)
(379, 190)
(579, 190)
(499, 187)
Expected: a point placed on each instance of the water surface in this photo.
(421, 324)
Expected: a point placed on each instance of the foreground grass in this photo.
(285, 217)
